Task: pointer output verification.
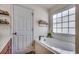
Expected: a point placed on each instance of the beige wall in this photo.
(4, 28)
(57, 7)
(40, 13)
(77, 29)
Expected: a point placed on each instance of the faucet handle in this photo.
(40, 37)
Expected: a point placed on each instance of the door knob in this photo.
(15, 33)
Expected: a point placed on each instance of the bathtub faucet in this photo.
(40, 37)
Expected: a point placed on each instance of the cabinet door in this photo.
(8, 48)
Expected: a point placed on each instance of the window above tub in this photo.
(64, 22)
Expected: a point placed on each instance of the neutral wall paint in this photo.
(77, 30)
(4, 28)
(57, 7)
(40, 13)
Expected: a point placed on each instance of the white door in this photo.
(22, 29)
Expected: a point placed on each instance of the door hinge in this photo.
(32, 29)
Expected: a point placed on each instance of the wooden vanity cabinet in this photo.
(8, 48)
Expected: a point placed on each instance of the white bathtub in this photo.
(58, 46)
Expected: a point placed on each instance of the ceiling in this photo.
(47, 6)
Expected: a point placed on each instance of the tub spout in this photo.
(40, 37)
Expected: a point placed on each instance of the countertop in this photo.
(3, 42)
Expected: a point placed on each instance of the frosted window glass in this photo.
(65, 30)
(64, 13)
(54, 20)
(54, 16)
(72, 17)
(54, 25)
(58, 30)
(54, 30)
(59, 25)
(59, 15)
(71, 31)
(65, 18)
(58, 19)
(71, 24)
(65, 24)
(72, 10)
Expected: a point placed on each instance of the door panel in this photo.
(22, 26)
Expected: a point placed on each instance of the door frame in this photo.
(12, 21)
